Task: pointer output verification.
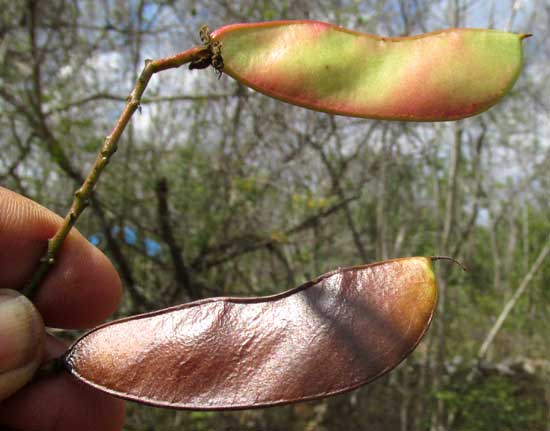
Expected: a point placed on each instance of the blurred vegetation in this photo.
(263, 196)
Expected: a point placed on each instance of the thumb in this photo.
(22, 337)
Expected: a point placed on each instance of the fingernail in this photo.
(21, 340)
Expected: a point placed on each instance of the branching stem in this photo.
(109, 147)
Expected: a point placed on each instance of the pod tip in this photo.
(452, 259)
(525, 35)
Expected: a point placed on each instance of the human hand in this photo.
(80, 291)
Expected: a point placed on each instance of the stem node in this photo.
(47, 260)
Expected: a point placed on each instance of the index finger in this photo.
(81, 289)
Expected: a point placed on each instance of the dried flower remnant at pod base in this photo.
(439, 76)
(330, 335)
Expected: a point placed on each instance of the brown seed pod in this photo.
(330, 335)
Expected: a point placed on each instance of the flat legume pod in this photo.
(444, 75)
(330, 335)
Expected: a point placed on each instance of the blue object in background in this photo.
(129, 235)
(95, 239)
(152, 248)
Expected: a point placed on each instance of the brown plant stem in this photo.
(181, 269)
(109, 147)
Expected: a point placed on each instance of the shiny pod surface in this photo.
(327, 336)
(444, 75)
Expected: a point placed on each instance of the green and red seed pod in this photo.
(439, 76)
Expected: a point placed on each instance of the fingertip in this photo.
(82, 290)
(22, 337)
(70, 405)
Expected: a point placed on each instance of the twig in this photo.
(544, 253)
(492, 333)
(181, 270)
(109, 147)
(145, 101)
(252, 243)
